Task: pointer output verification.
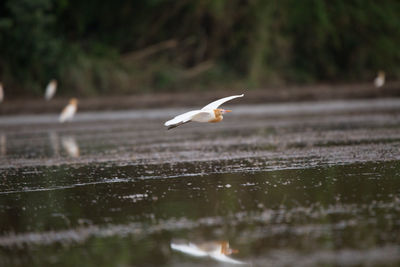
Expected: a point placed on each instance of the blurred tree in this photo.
(102, 46)
(30, 50)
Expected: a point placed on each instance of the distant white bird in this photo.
(1, 93)
(69, 111)
(50, 90)
(209, 113)
(380, 79)
(216, 250)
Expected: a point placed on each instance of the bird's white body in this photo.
(194, 115)
(209, 113)
(1, 93)
(380, 79)
(68, 112)
(50, 90)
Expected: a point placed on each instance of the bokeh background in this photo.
(102, 47)
(304, 172)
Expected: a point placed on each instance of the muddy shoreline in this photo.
(160, 100)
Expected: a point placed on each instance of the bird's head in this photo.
(226, 250)
(381, 74)
(220, 111)
(73, 101)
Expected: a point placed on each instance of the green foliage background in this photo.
(117, 47)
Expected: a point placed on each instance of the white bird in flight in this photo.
(380, 79)
(69, 111)
(50, 90)
(209, 113)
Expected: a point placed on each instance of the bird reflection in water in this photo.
(70, 146)
(3, 144)
(217, 250)
(53, 137)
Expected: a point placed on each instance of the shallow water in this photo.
(304, 216)
(283, 190)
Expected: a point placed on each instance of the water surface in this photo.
(302, 186)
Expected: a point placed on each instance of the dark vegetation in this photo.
(120, 47)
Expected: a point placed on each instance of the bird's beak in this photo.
(227, 110)
(234, 251)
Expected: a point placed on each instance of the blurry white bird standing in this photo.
(69, 111)
(1, 93)
(380, 79)
(209, 113)
(50, 90)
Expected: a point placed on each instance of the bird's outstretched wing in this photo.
(219, 102)
(223, 258)
(183, 118)
(190, 249)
